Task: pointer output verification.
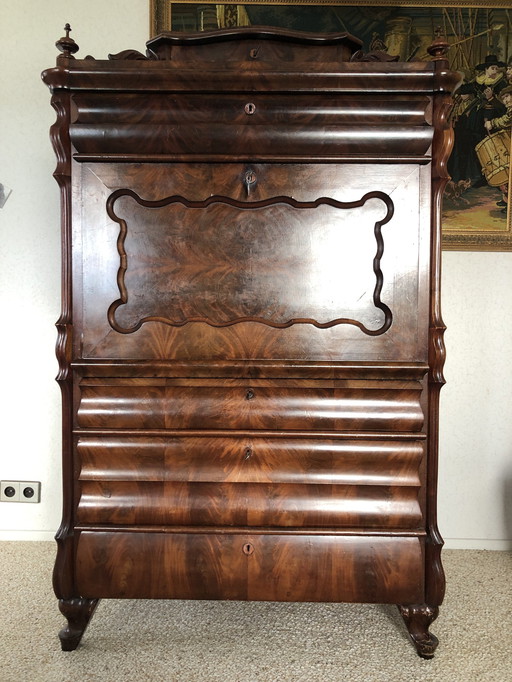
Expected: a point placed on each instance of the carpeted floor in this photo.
(254, 642)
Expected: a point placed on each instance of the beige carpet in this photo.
(251, 642)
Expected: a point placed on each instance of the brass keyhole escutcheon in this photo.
(250, 394)
(254, 53)
(250, 108)
(248, 549)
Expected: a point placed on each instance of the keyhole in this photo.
(248, 549)
(248, 453)
(250, 108)
(249, 181)
(249, 395)
(254, 52)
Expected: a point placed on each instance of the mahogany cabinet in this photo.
(250, 344)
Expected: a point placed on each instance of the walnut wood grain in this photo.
(280, 567)
(248, 504)
(246, 405)
(240, 272)
(234, 272)
(248, 457)
(255, 45)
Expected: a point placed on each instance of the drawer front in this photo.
(250, 566)
(249, 123)
(248, 458)
(146, 405)
(249, 504)
(250, 481)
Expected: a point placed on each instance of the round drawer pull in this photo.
(250, 108)
(250, 394)
(248, 549)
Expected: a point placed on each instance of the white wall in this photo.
(29, 237)
(476, 423)
(475, 500)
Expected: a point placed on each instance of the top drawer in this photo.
(232, 124)
(265, 405)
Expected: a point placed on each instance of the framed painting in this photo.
(477, 214)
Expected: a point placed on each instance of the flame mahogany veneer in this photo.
(250, 343)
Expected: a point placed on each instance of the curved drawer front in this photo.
(269, 567)
(249, 481)
(250, 123)
(393, 408)
(248, 458)
(249, 504)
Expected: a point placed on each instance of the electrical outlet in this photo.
(20, 491)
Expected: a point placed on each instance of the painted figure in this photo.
(478, 102)
(503, 123)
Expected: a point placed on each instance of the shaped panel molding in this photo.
(278, 261)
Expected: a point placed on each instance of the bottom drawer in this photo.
(250, 566)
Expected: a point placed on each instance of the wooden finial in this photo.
(440, 46)
(67, 45)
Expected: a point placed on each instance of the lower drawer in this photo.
(249, 504)
(249, 481)
(250, 566)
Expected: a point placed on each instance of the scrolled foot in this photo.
(418, 618)
(78, 612)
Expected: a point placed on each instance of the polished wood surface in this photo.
(265, 567)
(258, 405)
(249, 457)
(250, 345)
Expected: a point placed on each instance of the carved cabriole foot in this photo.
(418, 618)
(78, 613)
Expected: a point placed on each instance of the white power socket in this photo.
(20, 491)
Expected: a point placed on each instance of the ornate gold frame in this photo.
(455, 239)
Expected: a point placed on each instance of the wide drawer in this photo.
(240, 565)
(249, 504)
(231, 404)
(248, 457)
(249, 123)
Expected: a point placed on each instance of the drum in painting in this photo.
(494, 155)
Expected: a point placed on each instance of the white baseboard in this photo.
(479, 543)
(27, 535)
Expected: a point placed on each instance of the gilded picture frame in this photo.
(477, 214)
